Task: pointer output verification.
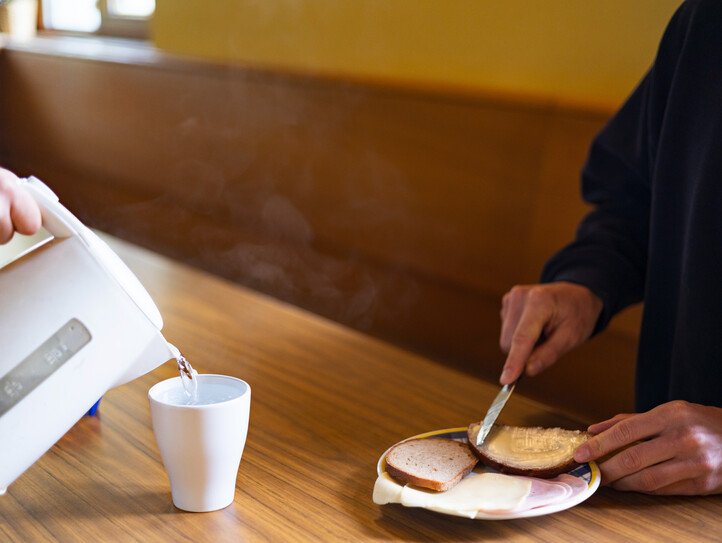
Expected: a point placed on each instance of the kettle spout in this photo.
(157, 352)
(174, 351)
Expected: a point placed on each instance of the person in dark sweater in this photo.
(654, 177)
(18, 210)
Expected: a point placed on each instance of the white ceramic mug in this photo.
(201, 444)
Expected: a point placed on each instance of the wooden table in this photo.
(326, 403)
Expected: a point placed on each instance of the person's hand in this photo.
(676, 448)
(18, 211)
(563, 314)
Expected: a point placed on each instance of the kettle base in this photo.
(93, 410)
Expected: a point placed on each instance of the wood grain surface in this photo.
(326, 402)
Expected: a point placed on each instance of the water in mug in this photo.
(208, 393)
(192, 393)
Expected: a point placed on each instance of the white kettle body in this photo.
(74, 323)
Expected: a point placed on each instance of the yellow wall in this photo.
(566, 50)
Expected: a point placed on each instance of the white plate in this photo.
(587, 472)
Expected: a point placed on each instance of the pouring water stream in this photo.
(189, 376)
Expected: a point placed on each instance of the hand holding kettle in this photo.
(75, 322)
(18, 210)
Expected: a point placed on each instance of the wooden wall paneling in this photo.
(350, 164)
(403, 214)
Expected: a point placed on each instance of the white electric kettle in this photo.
(74, 323)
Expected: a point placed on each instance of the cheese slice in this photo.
(386, 490)
(488, 492)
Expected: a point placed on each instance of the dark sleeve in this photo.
(609, 252)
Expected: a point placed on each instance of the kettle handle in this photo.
(56, 218)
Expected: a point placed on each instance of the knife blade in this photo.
(493, 413)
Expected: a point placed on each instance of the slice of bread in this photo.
(534, 452)
(431, 462)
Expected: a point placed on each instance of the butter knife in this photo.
(493, 413)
